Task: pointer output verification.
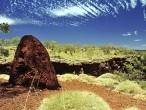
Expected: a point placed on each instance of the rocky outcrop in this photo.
(31, 65)
(5, 68)
(95, 69)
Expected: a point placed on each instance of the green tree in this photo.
(69, 48)
(15, 41)
(52, 45)
(46, 43)
(4, 52)
(4, 27)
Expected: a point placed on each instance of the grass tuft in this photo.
(67, 77)
(140, 96)
(74, 100)
(107, 82)
(4, 76)
(131, 108)
(129, 87)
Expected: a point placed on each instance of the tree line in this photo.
(55, 47)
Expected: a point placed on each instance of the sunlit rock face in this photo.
(32, 66)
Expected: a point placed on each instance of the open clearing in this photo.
(15, 98)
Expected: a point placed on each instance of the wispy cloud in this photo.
(138, 40)
(16, 21)
(88, 9)
(133, 3)
(143, 2)
(135, 32)
(4, 19)
(54, 9)
(144, 14)
(127, 34)
(68, 11)
(130, 33)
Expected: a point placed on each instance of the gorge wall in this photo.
(94, 69)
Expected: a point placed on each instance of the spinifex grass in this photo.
(74, 100)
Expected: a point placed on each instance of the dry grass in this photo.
(74, 100)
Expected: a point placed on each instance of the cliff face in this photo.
(94, 69)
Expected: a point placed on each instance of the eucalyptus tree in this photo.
(4, 27)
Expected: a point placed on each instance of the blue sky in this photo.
(99, 22)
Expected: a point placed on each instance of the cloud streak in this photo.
(130, 33)
(4, 19)
(50, 10)
(127, 34)
(16, 21)
(135, 32)
(138, 40)
(133, 3)
(143, 2)
(68, 11)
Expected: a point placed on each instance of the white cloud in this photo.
(4, 19)
(133, 3)
(138, 40)
(68, 11)
(143, 2)
(16, 21)
(144, 14)
(130, 33)
(83, 9)
(127, 34)
(135, 32)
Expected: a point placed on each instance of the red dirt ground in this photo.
(14, 98)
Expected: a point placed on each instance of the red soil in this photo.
(15, 98)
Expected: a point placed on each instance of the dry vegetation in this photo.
(131, 82)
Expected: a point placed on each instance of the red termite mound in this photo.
(31, 65)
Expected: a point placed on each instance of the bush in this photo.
(4, 52)
(110, 75)
(107, 82)
(129, 87)
(131, 108)
(87, 78)
(142, 84)
(140, 96)
(67, 77)
(74, 100)
(4, 76)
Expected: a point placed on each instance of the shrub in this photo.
(140, 96)
(131, 108)
(142, 84)
(110, 75)
(129, 87)
(67, 77)
(4, 76)
(86, 78)
(4, 52)
(107, 82)
(74, 100)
